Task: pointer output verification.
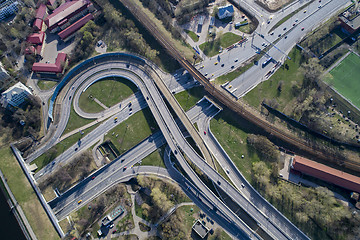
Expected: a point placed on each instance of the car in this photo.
(279, 35)
(285, 37)
(114, 231)
(294, 24)
(216, 63)
(268, 22)
(80, 201)
(242, 185)
(227, 170)
(222, 65)
(124, 169)
(230, 22)
(147, 98)
(111, 226)
(319, 6)
(130, 104)
(284, 28)
(69, 97)
(204, 132)
(296, 20)
(263, 44)
(175, 152)
(218, 182)
(115, 119)
(205, 74)
(130, 109)
(272, 33)
(236, 59)
(302, 29)
(76, 149)
(232, 67)
(305, 11)
(122, 160)
(93, 177)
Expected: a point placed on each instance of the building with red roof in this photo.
(52, 68)
(67, 32)
(40, 12)
(67, 13)
(37, 25)
(36, 38)
(326, 173)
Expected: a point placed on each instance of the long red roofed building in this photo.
(326, 173)
(67, 13)
(54, 68)
(67, 32)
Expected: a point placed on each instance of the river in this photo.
(9, 227)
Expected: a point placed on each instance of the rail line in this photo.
(230, 101)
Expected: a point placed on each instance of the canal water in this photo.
(9, 227)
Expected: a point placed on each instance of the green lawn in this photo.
(190, 97)
(25, 195)
(59, 148)
(46, 85)
(232, 75)
(345, 78)
(212, 48)
(193, 35)
(232, 136)
(326, 43)
(155, 158)
(108, 91)
(130, 132)
(75, 121)
(268, 89)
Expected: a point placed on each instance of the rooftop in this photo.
(56, 67)
(64, 10)
(326, 173)
(200, 229)
(351, 17)
(75, 26)
(36, 38)
(40, 12)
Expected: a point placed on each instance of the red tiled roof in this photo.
(75, 26)
(52, 67)
(36, 38)
(40, 12)
(37, 24)
(326, 173)
(63, 11)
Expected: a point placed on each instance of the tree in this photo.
(312, 71)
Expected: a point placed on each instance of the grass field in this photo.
(46, 85)
(268, 89)
(212, 48)
(108, 91)
(232, 136)
(25, 195)
(192, 35)
(345, 78)
(190, 97)
(130, 132)
(154, 159)
(75, 121)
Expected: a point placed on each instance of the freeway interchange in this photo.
(148, 78)
(268, 218)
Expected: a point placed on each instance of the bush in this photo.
(264, 147)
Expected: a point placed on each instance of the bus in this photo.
(267, 61)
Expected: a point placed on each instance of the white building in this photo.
(3, 73)
(226, 11)
(15, 95)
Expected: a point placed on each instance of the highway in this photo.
(177, 141)
(163, 123)
(309, 20)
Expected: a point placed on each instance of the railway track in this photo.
(230, 102)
